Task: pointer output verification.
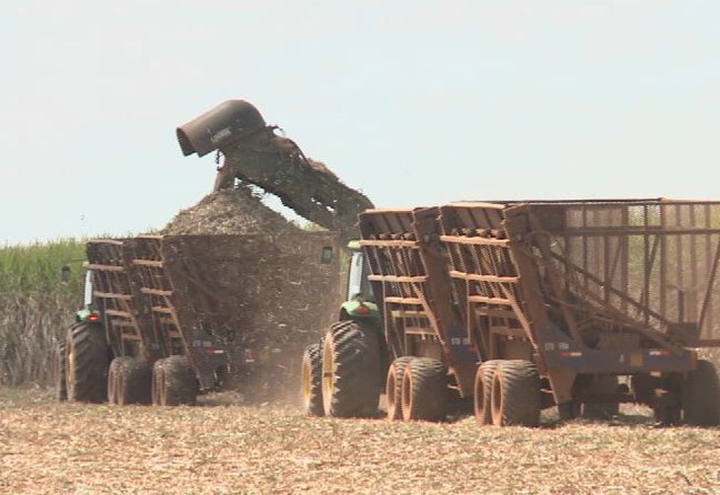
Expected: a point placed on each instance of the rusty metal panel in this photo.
(116, 295)
(398, 274)
(408, 268)
(650, 265)
(485, 280)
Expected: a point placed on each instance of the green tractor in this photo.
(343, 374)
(82, 359)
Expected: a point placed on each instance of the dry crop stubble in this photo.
(220, 447)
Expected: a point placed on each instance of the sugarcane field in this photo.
(301, 276)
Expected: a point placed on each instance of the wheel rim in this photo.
(163, 388)
(120, 389)
(479, 397)
(60, 380)
(58, 369)
(306, 382)
(155, 386)
(394, 412)
(497, 399)
(70, 372)
(406, 392)
(328, 376)
(111, 384)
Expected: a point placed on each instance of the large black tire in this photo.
(129, 381)
(393, 387)
(173, 382)
(516, 394)
(86, 363)
(482, 396)
(351, 370)
(701, 396)
(602, 384)
(311, 385)
(60, 385)
(425, 392)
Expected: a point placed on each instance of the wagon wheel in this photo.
(178, 383)
(424, 390)
(516, 394)
(393, 387)
(482, 396)
(132, 381)
(701, 396)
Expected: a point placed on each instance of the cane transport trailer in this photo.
(166, 317)
(144, 334)
(519, 306)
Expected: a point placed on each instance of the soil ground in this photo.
(222, 447)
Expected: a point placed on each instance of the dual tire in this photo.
(129, 381)
(424, 391)
(173, 382)
(507, 393)
(393, 387)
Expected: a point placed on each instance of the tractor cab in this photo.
(360, 301)
(88, 312)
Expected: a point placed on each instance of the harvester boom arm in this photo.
(256, 155)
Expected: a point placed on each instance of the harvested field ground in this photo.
(222, 447)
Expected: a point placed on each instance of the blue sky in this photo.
(413, 102)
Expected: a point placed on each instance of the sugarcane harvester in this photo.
(519, 306)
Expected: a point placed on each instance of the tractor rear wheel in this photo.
(173, 382)
(60, 385)
(312, 381)
(701, 396)
(516, 394)
(424, 390)
(351, 370)
(482, 396)
(86, 363)
(393, 387)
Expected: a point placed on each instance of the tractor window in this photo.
(358, 282)
(88, 297)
